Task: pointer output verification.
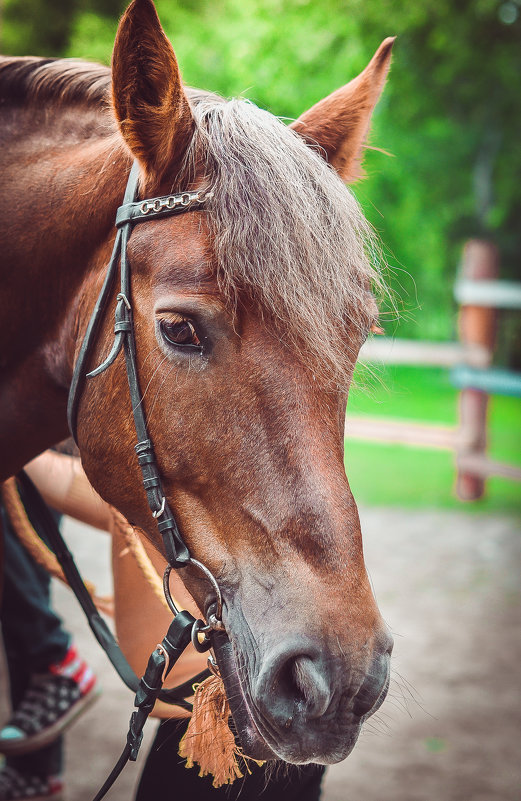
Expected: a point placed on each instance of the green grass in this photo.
(397, 475)
(407, 393)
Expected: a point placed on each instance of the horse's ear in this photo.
(149, 100)
(339, 123)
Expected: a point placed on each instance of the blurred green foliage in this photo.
(450, 114)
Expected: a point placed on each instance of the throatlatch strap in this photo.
(78, 377)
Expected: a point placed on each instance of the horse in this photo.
(248, 316)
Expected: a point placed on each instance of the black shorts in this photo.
(165, 776)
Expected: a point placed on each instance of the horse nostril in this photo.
(373, 689)
(306, 683)
(293, 684)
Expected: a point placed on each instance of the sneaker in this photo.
(16, 786)
(51, 703)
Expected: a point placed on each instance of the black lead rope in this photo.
(149, 688)
(44, 522)
(160, 663)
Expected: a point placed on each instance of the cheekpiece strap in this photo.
(130, 212)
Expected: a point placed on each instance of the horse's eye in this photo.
(180, 333)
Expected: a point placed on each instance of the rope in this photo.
(26, 533)
(40, 552)
(137, 549)
(45, 557)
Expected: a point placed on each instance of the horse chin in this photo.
(253, 743)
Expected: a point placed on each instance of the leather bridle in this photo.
(184, 627)
(129, 214)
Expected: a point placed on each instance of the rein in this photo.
(184, 628)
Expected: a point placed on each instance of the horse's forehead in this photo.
(175, 253)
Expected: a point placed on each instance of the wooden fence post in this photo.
(476, 326)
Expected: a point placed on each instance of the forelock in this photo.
(288, 235)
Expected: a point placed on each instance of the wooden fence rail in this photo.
(415, 352)
(480, 295)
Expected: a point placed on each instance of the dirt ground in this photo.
(448, 585)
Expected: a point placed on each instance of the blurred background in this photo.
(443, 169)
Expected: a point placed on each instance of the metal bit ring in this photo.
(215, 618)
(199, 627)
(166, 589)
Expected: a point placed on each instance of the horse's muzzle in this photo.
(301, 704)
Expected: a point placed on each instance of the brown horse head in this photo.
(248, 317)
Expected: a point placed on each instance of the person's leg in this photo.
(47, 761)
(44, 763)
(50, 685)
(165, 772)
(33, 638)
(33, 633)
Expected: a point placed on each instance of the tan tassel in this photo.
(208, 739)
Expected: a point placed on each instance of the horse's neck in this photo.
(58, 214)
